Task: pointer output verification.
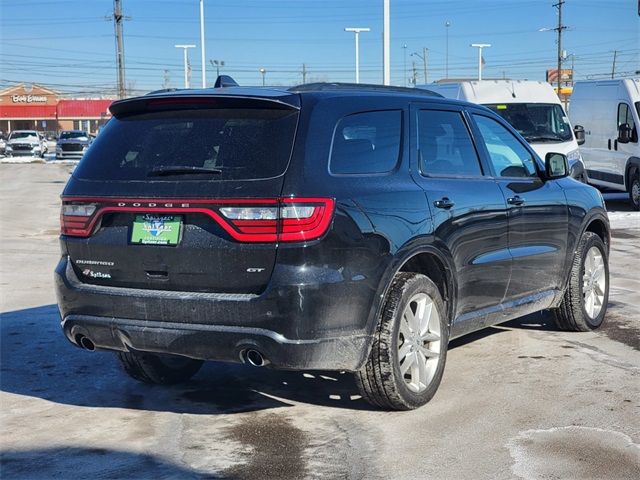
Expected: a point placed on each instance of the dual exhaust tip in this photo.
(85, 342)
(255, 358)
(251, 356)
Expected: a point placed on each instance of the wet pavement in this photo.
(519, 400)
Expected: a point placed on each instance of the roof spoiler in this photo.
(225, 81)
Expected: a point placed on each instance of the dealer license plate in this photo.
(153, 229)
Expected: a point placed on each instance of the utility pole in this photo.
(423, 57)
(386, 44)
(202, 61)
(480, 46)
(425, 52)
(613, 67)
(118, 18)
(356, 31)
(559, 29)
(414, 76)
(186, 62)
(166, 79)
(304, 73)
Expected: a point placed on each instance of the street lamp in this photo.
(480, 46)
(217, 64)
(447, 24)
(263, 72)
(424, 57)
(404, 50)
(202, 55)
(357, 31)
(186, 62)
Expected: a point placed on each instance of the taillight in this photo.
(246, 220)
(76, 219)
(294, 220)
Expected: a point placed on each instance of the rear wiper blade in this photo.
(181, 170)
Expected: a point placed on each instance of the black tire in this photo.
(634, 191)
(571, 314)
(379, 380)
(158, 369)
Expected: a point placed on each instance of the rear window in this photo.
(210, 144)
(366, 143)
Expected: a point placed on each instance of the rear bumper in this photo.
(294, 326)
(69, 155)
(216, 342)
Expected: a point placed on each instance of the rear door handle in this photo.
(517, 200)
(609, 144)
(444, 203)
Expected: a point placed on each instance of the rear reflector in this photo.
(246, 220)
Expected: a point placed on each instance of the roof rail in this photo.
(338, 86)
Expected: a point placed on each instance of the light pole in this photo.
(217, 64)
(264, 73)
(447, 24)
(202, 53)
(386, 49)
(424, 57)
(480, 46)
(357, 31)
(186, 62)
(404, 74)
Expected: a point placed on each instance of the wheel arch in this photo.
(632, 167)
(430, 260)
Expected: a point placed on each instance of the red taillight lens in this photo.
(246, 220)
(305, 219)
(76, 219)
(294, 220)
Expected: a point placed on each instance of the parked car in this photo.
(25, 143)
(609, 112)
(3, 145)
(531, 107)
(327, 226)
(72, 144)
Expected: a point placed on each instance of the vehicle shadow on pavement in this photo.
(38, 361)
(105, 463)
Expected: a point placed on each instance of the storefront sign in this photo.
(29, 98)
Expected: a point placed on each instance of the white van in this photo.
(532, 107)
(609, 111)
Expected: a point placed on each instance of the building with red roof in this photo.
(34, 107)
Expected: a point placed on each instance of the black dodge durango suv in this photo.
(325, 226)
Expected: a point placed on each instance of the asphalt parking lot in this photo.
(520, 400)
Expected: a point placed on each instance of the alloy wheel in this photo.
(594, 282)
(419, 342)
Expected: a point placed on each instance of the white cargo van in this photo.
(532, 107)
(609, 111)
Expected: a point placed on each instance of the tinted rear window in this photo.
(236, 143)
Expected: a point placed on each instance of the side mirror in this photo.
(578, 131)
(624, 133)
(556, 165)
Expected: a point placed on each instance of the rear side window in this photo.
(445, 146)
(366, 143)
(224, 144)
